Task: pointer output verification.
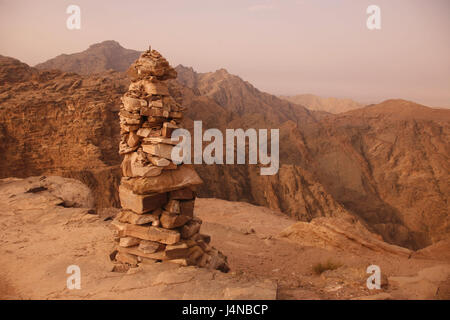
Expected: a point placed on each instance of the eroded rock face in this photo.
(53, 122)
(45, 192)
(386, 164)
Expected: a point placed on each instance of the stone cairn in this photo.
(156, 222)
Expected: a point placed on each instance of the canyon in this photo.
(385, 166)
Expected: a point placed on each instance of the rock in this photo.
(125, 257)
(133, 167)
(155, 88)
(140, 203)
(159, 150)
(217, 261)
(132, 104)
(184, 176)
(201, 237)
(161, 235)
(177, 251)
(148, 246)
(171, 221)
(160, 162)
(173, 207)
(187, 208)
(148, 174)
(128, 216)
(182, 194)
(133, 139)
(159, 255)
(167, 129)
(191, 228)
(129, 242)
(157, 140)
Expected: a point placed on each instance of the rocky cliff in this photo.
(385, 165)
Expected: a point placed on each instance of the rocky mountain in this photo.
(99, 57)
(374, 161)
(385, 165)
(331, 105)
(54, 121)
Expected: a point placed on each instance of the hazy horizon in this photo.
(281, 47)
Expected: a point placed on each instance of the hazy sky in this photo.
(282, 47)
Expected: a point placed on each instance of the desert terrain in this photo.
(357, 186)
(47, 225)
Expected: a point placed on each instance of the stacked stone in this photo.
(157, 221)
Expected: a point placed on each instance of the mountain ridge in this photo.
(99, 57)
(387, 168)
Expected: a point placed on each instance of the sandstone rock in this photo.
(118, 226)
(182, 194)
(201, 237)
(129, 242)
(132, 104)
(147, 117)
(133, 139)
(148, 246)
(173, 207)
(128, 216)
(159, 255)
(125, 257)
(187, 207)
(167, 129)
(129, 127)
(156, 140)
(140, 203)
(161, 235)
(195, 253)
(144, 132)
(176, 115)
(132, 166)
(170, 166)
(159, 150)
(156, 104)
(155, 88)
(160, 162)
(177, 251)
(154, 112)
(191, 228)
(129, 116)
(129, 121)
(217, 261)
(170, 221)
(184, 176)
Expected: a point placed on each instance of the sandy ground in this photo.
(263, 255)
(40, 237)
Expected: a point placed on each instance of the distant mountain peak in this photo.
(222, 71)
(99, 57)
(106, 44)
